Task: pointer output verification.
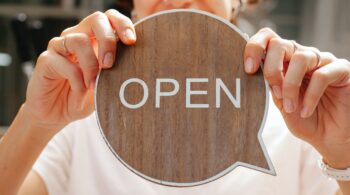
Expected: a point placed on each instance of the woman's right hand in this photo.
(61, 88)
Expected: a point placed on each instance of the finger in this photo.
(105, 37)
(300, 63)
(80, 46)
(334, 74)
(279, 51)
(97, 26)
(324, 58)
(56, 66)
(255, 49)
(123, 25)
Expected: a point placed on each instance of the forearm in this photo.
(19, 149)
(344, 187)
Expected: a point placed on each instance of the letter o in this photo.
(145, 93)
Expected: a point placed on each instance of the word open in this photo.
(219, 86)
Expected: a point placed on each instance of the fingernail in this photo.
(92, 84)
(249, 65)
(108, 59)
(288, 105)
(277, 91)
(304, 112)
(129, 34)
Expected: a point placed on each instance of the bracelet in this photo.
(337, 174)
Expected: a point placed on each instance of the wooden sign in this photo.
(177, 108)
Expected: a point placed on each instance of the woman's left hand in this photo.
(310, 88)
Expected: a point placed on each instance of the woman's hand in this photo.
(61, 88)
(311, 89)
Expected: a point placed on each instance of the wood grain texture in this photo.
(174, 143)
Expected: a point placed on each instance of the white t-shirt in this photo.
(77, 161)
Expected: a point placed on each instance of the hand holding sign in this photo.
(177, 108)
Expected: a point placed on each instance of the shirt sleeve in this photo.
(313, 181)
(53, 164)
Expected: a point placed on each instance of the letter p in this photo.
(159, 93)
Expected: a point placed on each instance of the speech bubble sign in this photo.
(177, 108)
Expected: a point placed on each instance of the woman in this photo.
(310, 88)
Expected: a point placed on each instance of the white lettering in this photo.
(221, 85)
(189, 92)
(145, 93)
(169, 93)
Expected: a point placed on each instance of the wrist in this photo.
(338, 159)
(34, 126)
(339, 163)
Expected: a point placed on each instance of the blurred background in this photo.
(27, 25)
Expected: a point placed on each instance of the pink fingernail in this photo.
(108, 59)
(288, 105)
(277, 91)
(92, 84)
(249, 65)
(129, 34)
(305, 112)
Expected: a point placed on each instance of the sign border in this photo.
(270, 171)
